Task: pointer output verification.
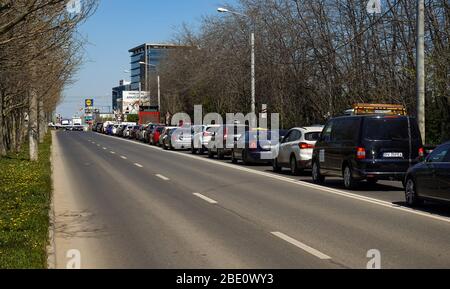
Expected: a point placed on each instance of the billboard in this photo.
(131, 101)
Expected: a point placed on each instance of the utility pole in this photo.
(253, 74)
(421, 68)
(159, 94)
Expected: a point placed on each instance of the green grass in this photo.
(25, 190)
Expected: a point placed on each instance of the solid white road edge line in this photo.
(209, 200)
(302, 246)
(300, 183)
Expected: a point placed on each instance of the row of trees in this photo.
(315, 58)
(39, 53)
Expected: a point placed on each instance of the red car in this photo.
(155, 135)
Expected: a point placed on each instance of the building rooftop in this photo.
(154, 45)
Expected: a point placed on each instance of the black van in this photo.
(367, 147)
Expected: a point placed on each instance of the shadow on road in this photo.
(439, 209)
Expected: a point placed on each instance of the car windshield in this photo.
(312, 136)
(388, 128)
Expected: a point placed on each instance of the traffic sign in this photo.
(89, 103)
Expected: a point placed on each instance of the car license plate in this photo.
(393, 155)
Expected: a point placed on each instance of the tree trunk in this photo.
(33, 125)
(41, 122)
(2, 135)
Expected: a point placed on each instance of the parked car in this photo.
(115, 130)
(97, 127)
(367, 147)
(134, 132)
(201, 138)
(120, 130)
(223, 138)
(295, 150)
(109, 129)
(180, 138)
(255, 147)
(164, 134)
(142, 133)
(126, 133)
(155, 135)
(166, 142)
(430, 180)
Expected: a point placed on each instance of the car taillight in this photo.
(421, 152)
(253, 145)
(225, 133)
(360, 153)
(304, 146)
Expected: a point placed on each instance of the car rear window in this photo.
(312, 136)
(389, 128)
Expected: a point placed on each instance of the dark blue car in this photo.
(430, 180)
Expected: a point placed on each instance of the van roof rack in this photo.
(387, 109)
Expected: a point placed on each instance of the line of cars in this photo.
(380, 143)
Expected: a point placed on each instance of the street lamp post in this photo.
(421, 67)
(159, 88)
(252, 43)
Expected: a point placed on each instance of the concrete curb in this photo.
(51, 248)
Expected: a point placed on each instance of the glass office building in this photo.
(151, 54)
(117, 93)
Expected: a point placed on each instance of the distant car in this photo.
(115, 129)
(296, 149)
(120, 130)
(367, 147)
(134, 132)
(155, 135)
(142, 133)
(108, 130)
(254, 147)
(430, 180)
(164, 134)
(223, 138)
(126, 133)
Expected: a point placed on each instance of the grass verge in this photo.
(25, 192)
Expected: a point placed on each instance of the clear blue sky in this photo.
(117, 26)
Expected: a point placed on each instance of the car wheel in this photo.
(411, 194)
(220, 155)
(233, 158)
(349, 181)
(210, 154)
(276, 167)
(245, 159)
(318, 178)
(294, 166)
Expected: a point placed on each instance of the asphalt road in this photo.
(124, 204)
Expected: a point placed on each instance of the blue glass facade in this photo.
(146, 53)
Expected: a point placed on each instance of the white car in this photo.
(296, 149)
(202, 137)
